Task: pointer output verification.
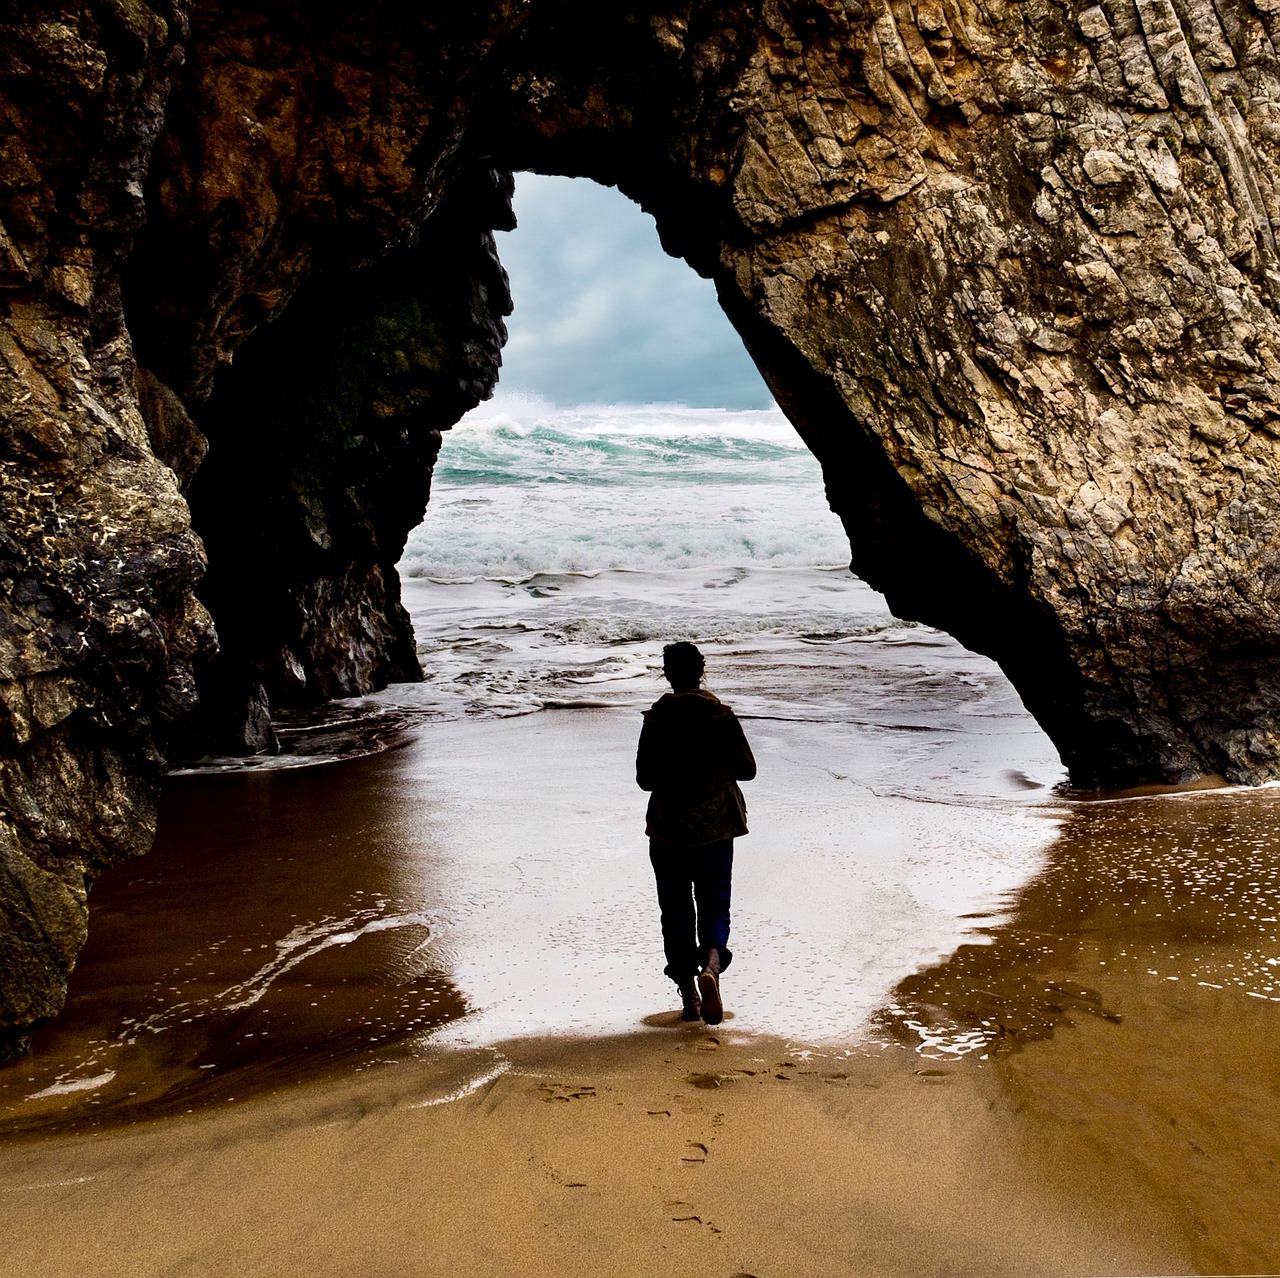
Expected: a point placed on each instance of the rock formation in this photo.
(1010, 269)
(100, 629)
(322, 438)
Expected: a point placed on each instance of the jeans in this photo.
(693, 897)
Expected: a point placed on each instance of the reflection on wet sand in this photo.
(1131, 1000)
(1100, 1050)
(295, 922)
(227, 963)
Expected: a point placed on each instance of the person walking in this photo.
(691, 756)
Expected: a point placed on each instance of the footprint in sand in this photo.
(682, 1212)
(933, 1075)
(556, 1092)
(707, 1082)
(697, 1152)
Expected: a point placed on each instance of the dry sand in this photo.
(674, 1152)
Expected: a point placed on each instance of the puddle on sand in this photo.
(338, 915)
(1171, 901)
(494, 876)
(224, 964)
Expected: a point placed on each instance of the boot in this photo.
(709, 988)
(690, 1004)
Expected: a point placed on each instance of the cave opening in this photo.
(628, 481)
(631, 482)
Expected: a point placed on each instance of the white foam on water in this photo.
(302, 943)
(529, 488)
(66, 1087)
(469, 1088)
(562, 549)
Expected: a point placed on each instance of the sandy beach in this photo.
(405, 1013)
(684, 1153)
(1009, 1033)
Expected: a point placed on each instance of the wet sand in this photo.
(491, 881)
(1132, 1001)
(979, 1027)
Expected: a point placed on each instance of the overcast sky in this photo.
(602, 314)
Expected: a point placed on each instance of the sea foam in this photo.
(525, 487)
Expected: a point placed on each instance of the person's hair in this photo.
(683, 665)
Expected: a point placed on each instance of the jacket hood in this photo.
(696, 706)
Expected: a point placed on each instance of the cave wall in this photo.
(322, 438)
(308, 192)
(100, 630)
(1010, 269)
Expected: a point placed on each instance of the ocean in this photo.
(563, 547)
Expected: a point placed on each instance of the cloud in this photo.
(603, 315)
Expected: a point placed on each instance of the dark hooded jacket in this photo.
(692, 754)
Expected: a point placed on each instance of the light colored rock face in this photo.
(1011, 269)
(1032, 250)
(1024, 254)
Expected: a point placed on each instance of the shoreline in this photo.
(1051, 1027)
(493, 876)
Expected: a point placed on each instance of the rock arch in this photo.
(1010, 269)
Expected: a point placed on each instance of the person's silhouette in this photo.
(691, 756)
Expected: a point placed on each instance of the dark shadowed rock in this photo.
(323, 435)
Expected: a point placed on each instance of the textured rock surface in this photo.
(1010, 268)
(99, 627)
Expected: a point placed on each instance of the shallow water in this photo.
(1130, 1001)
(264, 939)
(1176, 896)
(1102, 972)
(489, 880)
(919, 886)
